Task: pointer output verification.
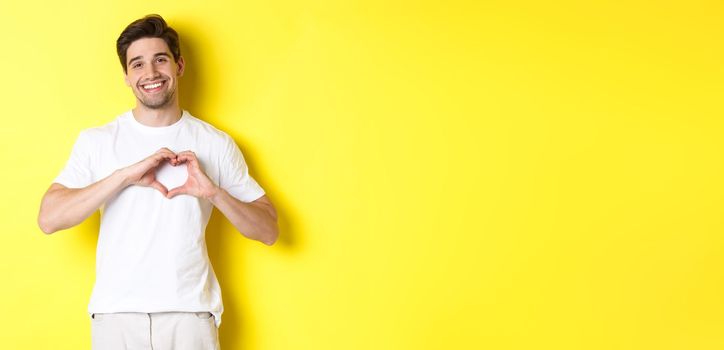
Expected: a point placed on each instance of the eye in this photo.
(136, 65)
(161, 59)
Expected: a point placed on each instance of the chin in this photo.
(155, 104)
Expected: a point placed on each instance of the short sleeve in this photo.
(77, 172)
(234, 174)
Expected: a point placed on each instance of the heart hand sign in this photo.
(181, 173)
(171, 176)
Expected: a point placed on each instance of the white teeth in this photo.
(151, 86)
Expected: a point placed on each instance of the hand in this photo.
(198, 184)
(143, 173)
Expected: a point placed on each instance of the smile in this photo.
(153, 87)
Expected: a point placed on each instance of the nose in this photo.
(150, 71)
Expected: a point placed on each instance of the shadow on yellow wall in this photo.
(194, 95)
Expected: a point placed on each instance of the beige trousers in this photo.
(154, 331)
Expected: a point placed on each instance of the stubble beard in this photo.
(157, 102)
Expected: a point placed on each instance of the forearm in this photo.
(257, 222)
(62, 208)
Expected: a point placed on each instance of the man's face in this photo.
(152, 73)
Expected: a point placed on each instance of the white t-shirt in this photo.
(151, 254)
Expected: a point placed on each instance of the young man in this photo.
(155, 287)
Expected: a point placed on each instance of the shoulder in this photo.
(211, 134)
(97, 134)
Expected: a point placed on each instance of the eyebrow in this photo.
(156, 55)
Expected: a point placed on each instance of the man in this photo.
(155, 287)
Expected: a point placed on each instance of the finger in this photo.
(187, 157)
(176, 191)
(175, 161)
(188, 153)
(157, 157)
(166, 152)
(162, 151)
(182, 157)
(160, 157)
(160, 187)
(167, 155)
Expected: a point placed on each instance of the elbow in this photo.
(268, 237)
(53, 216)
(270, 241)
(272, 235)
(47, 221)
(271, 238)
(45, 225)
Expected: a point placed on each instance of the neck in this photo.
(157, 117)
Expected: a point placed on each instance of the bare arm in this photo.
(256, 220)
(63, 207)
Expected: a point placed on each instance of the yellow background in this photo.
(449, 174)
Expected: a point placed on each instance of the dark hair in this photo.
(151, 26)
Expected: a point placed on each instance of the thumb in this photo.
(160, 187)
(176, 191)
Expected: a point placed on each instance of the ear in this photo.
(181, 66)
(125, 77)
